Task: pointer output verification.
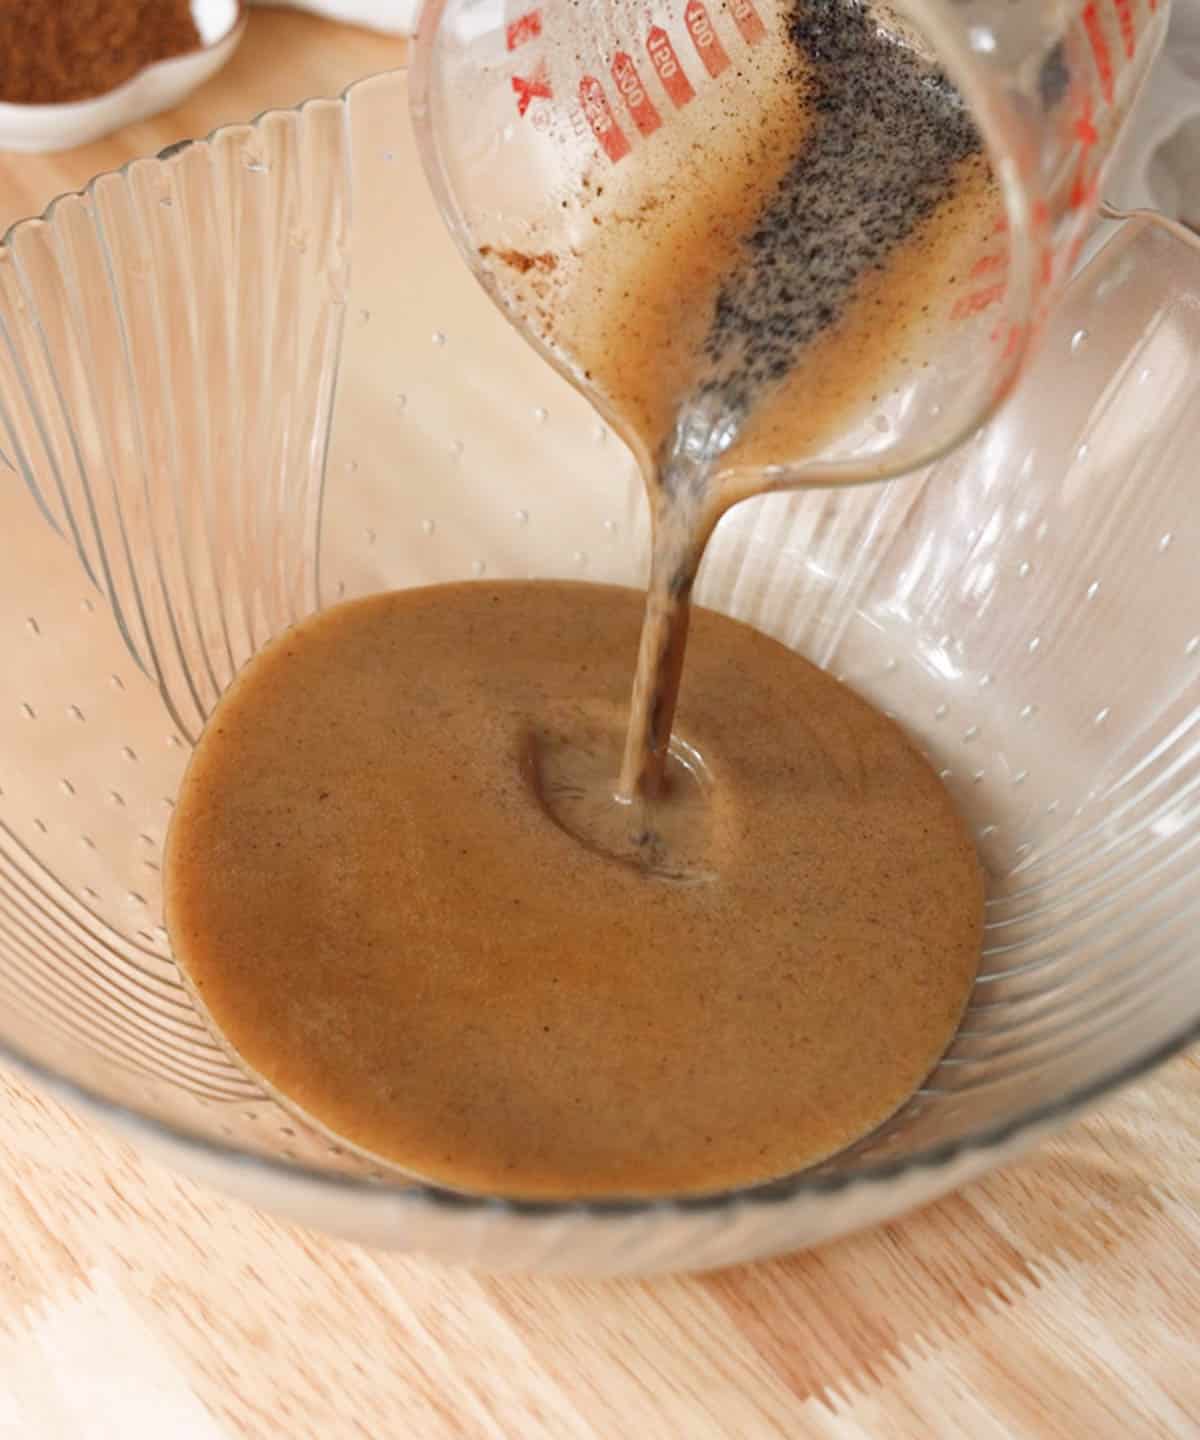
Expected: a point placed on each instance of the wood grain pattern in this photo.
(1058, 1299)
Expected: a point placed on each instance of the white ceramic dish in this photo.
(39, 128)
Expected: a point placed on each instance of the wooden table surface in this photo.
(1060, 1298)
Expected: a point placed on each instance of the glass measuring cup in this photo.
(536, 120)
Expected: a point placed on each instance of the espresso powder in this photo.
(56, 51)
(888, 134)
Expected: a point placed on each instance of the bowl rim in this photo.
(410, 1193)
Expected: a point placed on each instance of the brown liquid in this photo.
(632, 310)
(645, 367)
(751, 284)
(372, 886)
(834, 133)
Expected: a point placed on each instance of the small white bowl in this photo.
(38, 128)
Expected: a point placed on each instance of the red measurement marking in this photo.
(667, 67)
(1088, 136)
(1085, 126)
(537, 87)
(633, 92)
(977, 301)
(1096, 37)
(1014, 340)
(988, 265)
(599, 115)
(1124, 9)
(705, 38)
(748, 21)
(1085, 190)
(525, 28)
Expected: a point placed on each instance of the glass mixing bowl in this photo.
(252, 376)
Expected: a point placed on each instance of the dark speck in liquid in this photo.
(888, 134)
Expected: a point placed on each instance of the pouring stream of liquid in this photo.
(820, 258)
(684, 513)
